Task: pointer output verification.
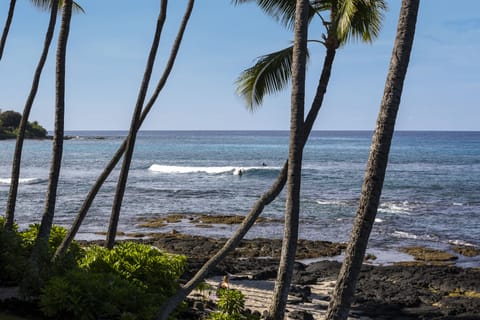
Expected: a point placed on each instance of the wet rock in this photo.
(467, 251)
(429, 255)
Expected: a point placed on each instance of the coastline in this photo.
(418, 289)
(186, 233)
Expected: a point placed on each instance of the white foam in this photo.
(179, 169)
(396, 207)
(209, 170)
(407, 235)
(378, 220)
(6, 181)
(403, 234)
(461, 243)
(330, 202)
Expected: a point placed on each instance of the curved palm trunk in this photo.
(17, 156)
(132, 135)
(377, 163)
(263, 201)
(8, 22)
(118, 155)
(37, 261)
(292, 208)
(57, 150)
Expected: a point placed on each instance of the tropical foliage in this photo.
(231, 305)
(9, 122)
(345, 20)
(128, 282)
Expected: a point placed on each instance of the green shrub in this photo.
(231, 305)
(85, 295)
(13, 256)
(128, 282)
(143, 265)
(39, 270)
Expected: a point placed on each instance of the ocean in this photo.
(431, 193)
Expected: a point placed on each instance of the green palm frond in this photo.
(270, 74)
(42, 4)
(360, 19)
(47, 5)
(321, 5)
(281, 10)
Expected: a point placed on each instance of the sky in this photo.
(109, 44)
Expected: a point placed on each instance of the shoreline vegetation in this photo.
(10, 121)
(428, 287)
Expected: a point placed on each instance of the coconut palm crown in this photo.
(47, 4)
(347, 20)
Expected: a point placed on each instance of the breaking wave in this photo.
(6, 181)
(208, 170)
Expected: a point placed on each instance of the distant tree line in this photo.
(10, 121)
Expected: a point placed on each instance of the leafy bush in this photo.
(13, 256)
(143, 265)
(41, 269)
(231, 304)
(128, 282)
(57, 234)
(85, 295)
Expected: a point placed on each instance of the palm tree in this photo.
(6, 28)
(57, 150)
(292, 207)
(284, 11)
(377, 163)
(127, 159)
(134, 126)
(117, 156)
(17, 157)
(43, 4)
(32, 277)
(271, 73)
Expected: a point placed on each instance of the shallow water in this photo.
(430, 193)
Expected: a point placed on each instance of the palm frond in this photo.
(282, 11)
(76, 8)
(270, 74)
(42, 4)
(360, 19)
(46, 5)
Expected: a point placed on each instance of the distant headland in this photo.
(9, 123)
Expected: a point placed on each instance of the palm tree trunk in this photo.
(122, 180)
(263, 201)
(55, 166)
(292, 207)
(118, 155)
(33, 275)
(377, 163)
(17, 157)
(8, 22)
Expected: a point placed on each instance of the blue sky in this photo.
(109, 44)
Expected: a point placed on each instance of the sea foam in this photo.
(208, 170)
(6, 181)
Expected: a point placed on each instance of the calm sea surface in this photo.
(431, 194)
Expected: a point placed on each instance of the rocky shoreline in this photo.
(431, 287)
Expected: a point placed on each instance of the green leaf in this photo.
(282, 11)
(270, 74)
(360, 20)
